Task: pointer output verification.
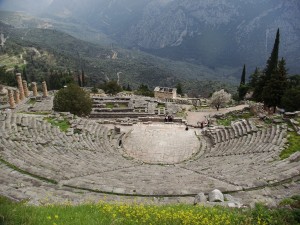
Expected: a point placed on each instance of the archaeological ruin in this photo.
(126, 149)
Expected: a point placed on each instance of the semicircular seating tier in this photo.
(230, 158)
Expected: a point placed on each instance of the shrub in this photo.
(73, 99)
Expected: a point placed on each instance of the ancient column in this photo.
(34, 89)
(11, 99)
(17, 96)
(20, 86)
(45, 92)
(26, 92)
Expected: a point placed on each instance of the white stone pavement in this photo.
(161, 143)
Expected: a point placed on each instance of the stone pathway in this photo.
(194, 117)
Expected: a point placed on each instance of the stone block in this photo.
(216, 196)
(295, 157)
(200, 198)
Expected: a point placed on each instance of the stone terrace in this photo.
(228, 158)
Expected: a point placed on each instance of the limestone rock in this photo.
(216, 196)
(262, 116)
(277, 121)
(295, 157)
(200, 198)
(294, 122)
(231, 204)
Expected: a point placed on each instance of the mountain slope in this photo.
(214, 33)
(43, 51)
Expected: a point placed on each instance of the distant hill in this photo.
(216, 34)
(46, 50)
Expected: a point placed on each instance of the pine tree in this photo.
(253, 79)
(276, 86)
(282, 78)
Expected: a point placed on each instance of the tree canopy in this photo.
(271, 67)
(73, 99)
(144, 90)
(179, 89)
(111, 87)
(220, 99)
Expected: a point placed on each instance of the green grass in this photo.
(111, 105)
(160, 105)
(36, 113)
(294, 145)
(12, 213)
(31, 101)
(232, 117)
(63, 125)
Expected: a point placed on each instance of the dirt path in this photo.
(194, 117)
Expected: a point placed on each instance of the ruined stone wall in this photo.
(164, 95)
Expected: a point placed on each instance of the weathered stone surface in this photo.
(295, 157)
(219, 115)
(294, 122)
(216, 196)
(290, 114)
(277, 120)
(262, 116)
(231, 205)
(200, 198)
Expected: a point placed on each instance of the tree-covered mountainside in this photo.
(220, 35)
(211, 33)
(43, 52)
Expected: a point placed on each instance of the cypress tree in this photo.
(243, 88)
(276, 86)
(243, 78)
(79, 79)
(25, 74)
(82, 78)
(128, 88)
(271, 68)
(273, 59)
(179, 89)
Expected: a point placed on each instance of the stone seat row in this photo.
(247, 170)
(27, 128)
(268, 139)
(58, 162)
(237, 129)
(18, 186)
(47, 151)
